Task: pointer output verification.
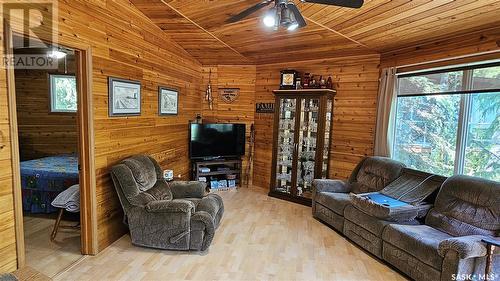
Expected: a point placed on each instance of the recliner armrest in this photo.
(327, 185)
(170, 206)
(466, 246)
(187, 189)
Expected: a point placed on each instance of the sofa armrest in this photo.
(466, 246)
(326, 185)
(170, 206)
(187, 189)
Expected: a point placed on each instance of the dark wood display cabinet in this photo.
(302, 138)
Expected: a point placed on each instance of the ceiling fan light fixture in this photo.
(286, 17)
(269, 19)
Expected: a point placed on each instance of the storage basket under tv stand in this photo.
(234, 165)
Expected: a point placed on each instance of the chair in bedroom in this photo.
(173, 216)
(68, 200)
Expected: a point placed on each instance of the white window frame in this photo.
(464, 112)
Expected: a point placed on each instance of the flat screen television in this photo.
(209, 141)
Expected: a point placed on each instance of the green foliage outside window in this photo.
(426, 129)
(63, 93)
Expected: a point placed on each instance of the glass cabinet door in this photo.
(308, 137)
(286, 145)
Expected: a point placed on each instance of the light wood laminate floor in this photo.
(45, 256)
(260, 238)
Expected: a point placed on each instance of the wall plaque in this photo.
(263, 107)
(229, 95)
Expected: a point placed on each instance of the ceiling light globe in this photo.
(269, 20)
(293, 26)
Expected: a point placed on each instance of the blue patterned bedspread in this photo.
(43, 179)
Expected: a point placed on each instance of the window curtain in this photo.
(386, 108)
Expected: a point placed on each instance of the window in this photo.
(448, 122)
(63, 95)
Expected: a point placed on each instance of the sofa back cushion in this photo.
(374, 173)
(143, 171)
(467, 206)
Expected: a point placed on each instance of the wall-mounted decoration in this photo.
(229, 95)
(208, 92)
(263, 107)
(288, 79)
(168, 101)
(63, 94)
(124, 97)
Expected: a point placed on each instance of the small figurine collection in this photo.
(292, 80)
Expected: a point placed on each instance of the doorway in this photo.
(52, 154)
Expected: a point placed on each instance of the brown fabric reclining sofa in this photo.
(444, 243)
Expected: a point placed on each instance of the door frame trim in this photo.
(88, 203)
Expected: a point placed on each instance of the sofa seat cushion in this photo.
(420, 241)
(334, 201)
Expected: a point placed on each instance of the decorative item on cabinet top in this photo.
(293, 80)
(288, 79)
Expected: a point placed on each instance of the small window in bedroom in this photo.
(63, 96)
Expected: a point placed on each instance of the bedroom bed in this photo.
(43, 179)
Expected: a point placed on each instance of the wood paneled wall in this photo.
(356, 82)
(126, 44)
(241, 110)
(42, 133)
(8, 254)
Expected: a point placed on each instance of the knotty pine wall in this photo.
(126, 44)
(241, 110)
(356, 82)
(8, 260)
(42, 133)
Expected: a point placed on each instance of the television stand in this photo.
(220, 170)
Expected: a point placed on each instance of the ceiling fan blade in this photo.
(342, 3)
(298, 16)
(249, 11)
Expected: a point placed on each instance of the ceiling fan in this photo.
(286, 14)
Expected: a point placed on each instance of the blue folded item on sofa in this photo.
(387, 208)
(385, 200)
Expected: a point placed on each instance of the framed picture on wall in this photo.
(124, 97)
(168, 101)
(63, 94)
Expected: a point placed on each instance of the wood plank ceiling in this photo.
(379, 26)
